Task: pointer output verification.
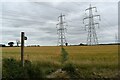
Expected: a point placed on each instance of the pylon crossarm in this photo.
(85, 19)
(91, 8)
(86, 25)
(95, 24)
(57, 23)
(96, 16)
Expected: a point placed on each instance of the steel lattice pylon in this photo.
(92, 36)
(61, 30)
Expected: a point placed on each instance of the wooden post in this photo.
(22, 48)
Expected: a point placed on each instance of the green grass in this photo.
(92, 61)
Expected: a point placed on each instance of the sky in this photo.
(38, 20)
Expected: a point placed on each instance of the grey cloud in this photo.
(39, 21)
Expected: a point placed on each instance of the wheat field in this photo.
(102, 59)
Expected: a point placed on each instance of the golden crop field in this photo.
(101, 59)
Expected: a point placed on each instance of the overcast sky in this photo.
(38, 20)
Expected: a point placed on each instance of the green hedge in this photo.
(13, 70)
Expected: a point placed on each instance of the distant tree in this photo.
(2, 45)
(81, 44)
(11, 44)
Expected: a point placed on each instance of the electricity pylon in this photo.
(92, 36)
(61, 30)
(116, 38)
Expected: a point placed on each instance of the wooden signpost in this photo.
(22, 47)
